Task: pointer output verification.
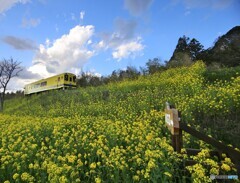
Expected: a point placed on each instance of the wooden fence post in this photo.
(172, 119)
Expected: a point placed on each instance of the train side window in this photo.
(66, 77)
(74, 79)
(44, 83)
(37, 85)
(58, 78)
(70, 78)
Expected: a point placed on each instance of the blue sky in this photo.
(99, 36)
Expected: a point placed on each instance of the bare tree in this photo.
(8, 69)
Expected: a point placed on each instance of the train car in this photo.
(61, 81)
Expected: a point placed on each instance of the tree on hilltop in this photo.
(182, 45)
(195, 48)
(187, 51)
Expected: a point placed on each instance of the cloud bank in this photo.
(7, 4)
(19, 43)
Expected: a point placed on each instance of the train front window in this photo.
(74, 79)
(70, 79)
(66, 77)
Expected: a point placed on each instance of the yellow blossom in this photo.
(98, 180)
(225, 167)
(93, 165)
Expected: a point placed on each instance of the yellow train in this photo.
(61, 81)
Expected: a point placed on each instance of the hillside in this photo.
(117, 132)
(226, 49)
(224, 52)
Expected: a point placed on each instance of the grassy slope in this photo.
(126, 115)
(200, 102)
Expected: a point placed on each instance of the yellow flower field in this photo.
(83, 136)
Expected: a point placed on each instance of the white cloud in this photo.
(101, 45)
(122, 41)
(39, 68)
(82, 13)
(130, 49)
(137, 7)
(26, 74)
(7, 4)
(66, 53)
(89, 42)
(17, 84)
(24, 77)
(47, 42)
(30, 22)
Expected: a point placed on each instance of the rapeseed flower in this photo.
(97, 140)
(93, 165)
